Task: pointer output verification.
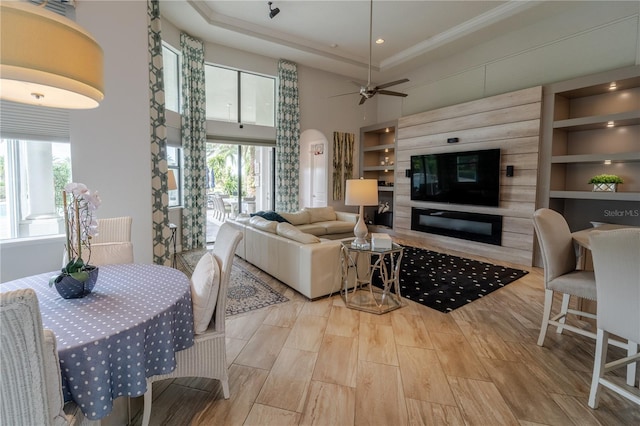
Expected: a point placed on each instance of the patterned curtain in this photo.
(349, 139)
(287, 138)
(342, 161)
(159, 188)
(194, 213)
(338, 140)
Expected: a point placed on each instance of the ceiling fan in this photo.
(368, 91)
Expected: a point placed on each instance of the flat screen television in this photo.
(469, 177)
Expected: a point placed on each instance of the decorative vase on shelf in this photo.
(605, 187)
(71, 288)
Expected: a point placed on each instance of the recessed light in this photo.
(379, 41)
(607, 162)
(610, 124)
(613, 86)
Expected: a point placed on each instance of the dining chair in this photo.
(31, 391)
(113, 244)
(616, 261)
(207, 357)
(560, 273)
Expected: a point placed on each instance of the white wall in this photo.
(110, 145)
(583, 38)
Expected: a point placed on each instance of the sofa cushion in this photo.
(264, 224)
(313, 229)
(297, 218)
(320, 214)
(205, 283)
(337, 226)
(287, 230)
(270, 215)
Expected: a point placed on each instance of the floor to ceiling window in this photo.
(239, 168)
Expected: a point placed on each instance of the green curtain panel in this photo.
(338, 141)
(158, 136)
(287, 138)
(194, 213)
(342, 162)
(349, 141)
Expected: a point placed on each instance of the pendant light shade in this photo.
(47, 59)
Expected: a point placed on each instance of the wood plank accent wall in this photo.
(511, 122)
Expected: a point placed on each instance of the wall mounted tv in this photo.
(469, 177)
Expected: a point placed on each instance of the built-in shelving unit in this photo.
(591, 126)
(377, 161)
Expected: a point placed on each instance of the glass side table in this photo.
(359, 266)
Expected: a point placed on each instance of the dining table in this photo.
(581, 238)
(127, 329)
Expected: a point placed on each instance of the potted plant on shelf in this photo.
(77, 278)
(605, 182)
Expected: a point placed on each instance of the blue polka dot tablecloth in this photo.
(127, 329)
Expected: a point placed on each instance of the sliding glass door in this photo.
(240, 181)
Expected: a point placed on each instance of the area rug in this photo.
(246, 291)
(444, 282)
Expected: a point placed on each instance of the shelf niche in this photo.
(580, 144)
(377, 161)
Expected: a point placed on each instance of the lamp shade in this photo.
(361, 192)
(47, 59)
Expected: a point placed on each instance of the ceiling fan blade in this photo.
(362, 99)
(389, 92)
(393, 83)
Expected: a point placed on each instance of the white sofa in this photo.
(304, 254)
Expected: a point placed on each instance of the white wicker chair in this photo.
(207, 357)
(616, 261)
(31, 391)
(113, 244)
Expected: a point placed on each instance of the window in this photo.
(32, 176)
(239, 97)
(171, 69)
(174, 161)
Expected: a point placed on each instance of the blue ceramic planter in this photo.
(70, 288)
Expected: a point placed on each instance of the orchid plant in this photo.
(80, 226)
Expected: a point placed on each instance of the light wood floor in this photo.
(304, 363)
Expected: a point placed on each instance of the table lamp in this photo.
(361, 192)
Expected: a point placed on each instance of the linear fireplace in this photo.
(484, 228)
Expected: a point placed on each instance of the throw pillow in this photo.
(291, 232)
(296, 218)
(263, 224)
(270, 215)
(320, 214)
(205, 283)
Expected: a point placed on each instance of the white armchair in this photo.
(31, 391)
(207, 357)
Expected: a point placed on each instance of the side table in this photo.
(359, 265)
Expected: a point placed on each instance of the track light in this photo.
(273, 12)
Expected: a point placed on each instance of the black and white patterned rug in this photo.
(444, 282)
(246, 291)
